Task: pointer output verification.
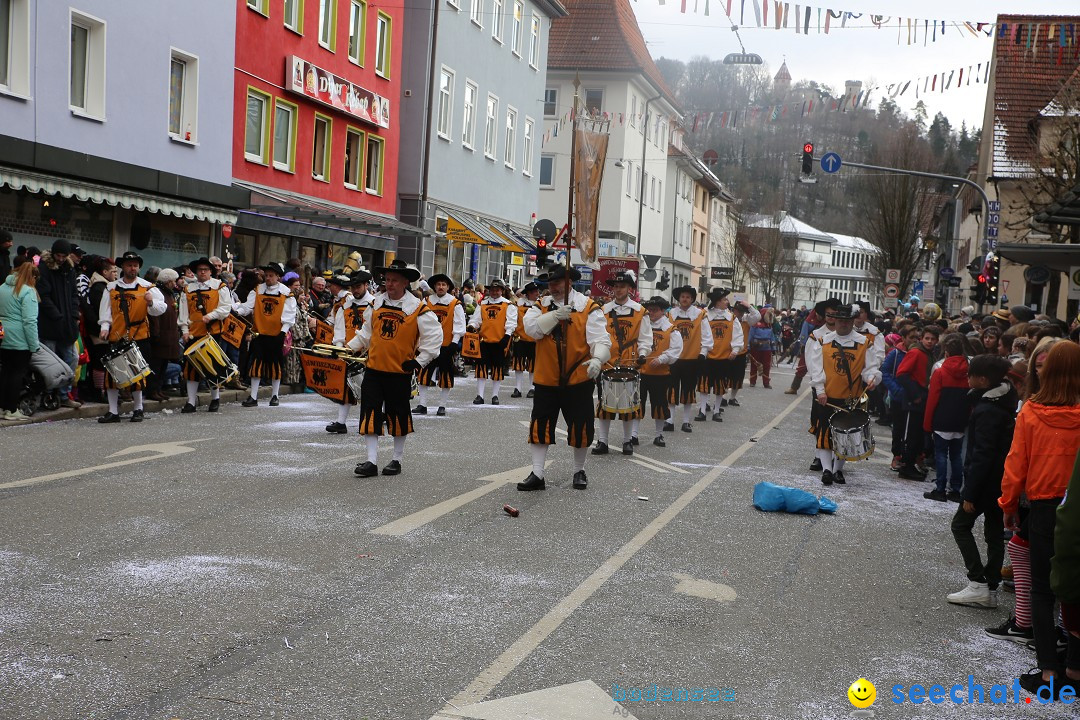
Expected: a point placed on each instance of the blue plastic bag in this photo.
(777, 498)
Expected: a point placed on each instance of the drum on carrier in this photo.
(125, 364)
(620, 390)
(210, 361)
(851, 436)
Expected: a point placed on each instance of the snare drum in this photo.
(354, 378)
(851, 435)
(620, 389)
(210, 361)
(125, 364)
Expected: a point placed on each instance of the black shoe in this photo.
(337, 428)
(250, 402)
(908, 472)
(441, 411)
(109, 418)
(531, 483)
(1033, 682)
(700, 417)
(938, 495)
(531, 393)
(187, 409)
(214, 405)
(600, 449)
(658, 441)
(669, 427)
(366, 469)
(723, 402)
(516, 393)
(687, 427)
(393, 468)
(580, 481)
(420, 410)
(634, 440)
(838, 477)
(478, 400)
(1009, 630)
(628, 448)
(954, 496)
(717, 417)
(733, 402)
(274, 401)
(827, 477)
(494, 399)
(816, 465)
(136, 416)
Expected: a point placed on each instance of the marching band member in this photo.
(205, 303)
(839, 374)
(631, 338)
(656, 372)
(688, 320)
(728, 341)
(524, 346)
(401, 335)
(572, 346)
(338, 285)
(863, 326)
(747, 316)
(821, 310)
(273, 311)
(347, 317)
(451, 315)
(125, 305)
(496, 318)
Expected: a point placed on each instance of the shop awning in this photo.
(516, 242)
(462, 228)
(84, 191)
(1056, 256)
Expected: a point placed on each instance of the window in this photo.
(15, 46)
(491, 139)
(637, 184)
(660, 193)
(476, 12)
(357, 30)
(510, 141)
(284, 135)
(534, 47)
(257, 127)
(629, 179)
(594, 102)
(551, 102)
(320, 148)
(327, 23)
(519, 21)
(294, 15)
(547, 171)
(5, 40)
(468, 122)
(446, 102)
(183, 96)
(373, 180)
(527, 148)
(652, 193)
(496, 20)
(633, 111)
(86, 95)
(382, 45)
(259, 6)
(354, 157)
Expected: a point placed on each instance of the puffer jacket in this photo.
(1040, 461)
(19, 316)
(989, 435)
(947, 406)
(59, 310)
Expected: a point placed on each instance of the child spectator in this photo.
(989, 435)
(946, 418)
(914, 376)
(889, 366)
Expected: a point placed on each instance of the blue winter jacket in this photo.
(888, 375)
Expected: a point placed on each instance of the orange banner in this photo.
(324, 332)
(233, 329)
(470, 346)
(588, 174)
(325, 376)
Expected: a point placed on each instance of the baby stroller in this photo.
(47, 373)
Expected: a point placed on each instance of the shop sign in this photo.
(327, 88)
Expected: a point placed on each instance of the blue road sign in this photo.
(946, 272)
(831, 162)
(917, 287)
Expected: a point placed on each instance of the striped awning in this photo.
(84, 191)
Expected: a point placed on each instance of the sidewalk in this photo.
(94, 410)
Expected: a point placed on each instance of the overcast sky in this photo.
(863, 52)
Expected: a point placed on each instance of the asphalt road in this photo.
(232, 566)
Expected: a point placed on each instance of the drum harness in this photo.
(843, 361)
(128, 325)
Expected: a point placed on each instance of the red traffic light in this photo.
(541, 243)
(982, 278)
(808, 148)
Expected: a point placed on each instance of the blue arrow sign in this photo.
(831, 162)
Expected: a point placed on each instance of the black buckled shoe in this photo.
(827, 477)
(699, 417)
(215, 404)
(816, 465)
(658, 441)
(628, 448)
(274, 401)
(687, 427)
(733, 402)
(531, 393)
(516, 393)
(420, 410)
(669, 426)
(600, 449)
(634, 440)
(250, 402)
(187, 409)
(580, 481)
(494, 399)
(531, 483)
(109, 418)
(723, 402)
(337, 428)
(838, 478)
(478, 400)
(441, 411)
(136, 416)
(718, 417)
(366, 469)
(393, 468)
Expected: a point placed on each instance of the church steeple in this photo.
(782, 79)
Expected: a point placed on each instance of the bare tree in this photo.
(772, 262)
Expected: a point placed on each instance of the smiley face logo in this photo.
(862, 693)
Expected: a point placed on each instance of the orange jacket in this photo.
(1043, 450)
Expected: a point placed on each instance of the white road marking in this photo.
(648, 466)
(696, 587)
(663, 466)
(583, 700)
(159, 450)
(524, 646)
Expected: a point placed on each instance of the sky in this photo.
(857, 52)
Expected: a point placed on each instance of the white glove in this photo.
(563, 312)
(547, 322)
(600, 354)
(593, 367)
(354, 344)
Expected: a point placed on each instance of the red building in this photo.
(315, 132)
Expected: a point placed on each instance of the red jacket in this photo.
(914, 376)
(947, 405)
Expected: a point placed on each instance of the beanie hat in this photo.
(1022, 313)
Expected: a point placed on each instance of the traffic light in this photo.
(664, 282)
(808, 158)
(993, 275)
(543, 254)
(544, 232)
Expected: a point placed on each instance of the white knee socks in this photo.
(495, 386)
(372, 447)
(634, 427)
(659, 427)
(826, 458)
(193, 392)
(215, 393)
(275, 386)
(255, 387)
(114, 400)
(539, 456)
(343, 413)
(481, 386)
(136, 399)
(837, 464)
(444, 397)
(580, 454)
(687, 412)
(399, 447)
(603, 427)
(627, 432)
(423, 395)
(517, 379)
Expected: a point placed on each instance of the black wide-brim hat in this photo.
(497, 283)
(274, 267)
(340, 279)
(844, 312)
(684, 289)
(359, 278)
(559, 272)
(401, 268)
(440, 277)
(194, 265)
(530, 287)
(624, 276)
(826, 305)
(718, 294)
(128, 256)
(657, 301)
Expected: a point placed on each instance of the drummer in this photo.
(656, 372)
(205, 303)
(631, 339)
(863, 326)
(719, 365)
(839, 374)
(688, 320)
(347, 317)
(273, 310)
(125, 305)
(745, 315)
(496, 319)
(821, 310)
(451, 315)
(524, 346)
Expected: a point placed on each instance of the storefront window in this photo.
(242, 250)
(174, 241)
(442, 247)
(339, 254)
(272, 248)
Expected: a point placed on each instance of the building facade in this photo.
(117, 142)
